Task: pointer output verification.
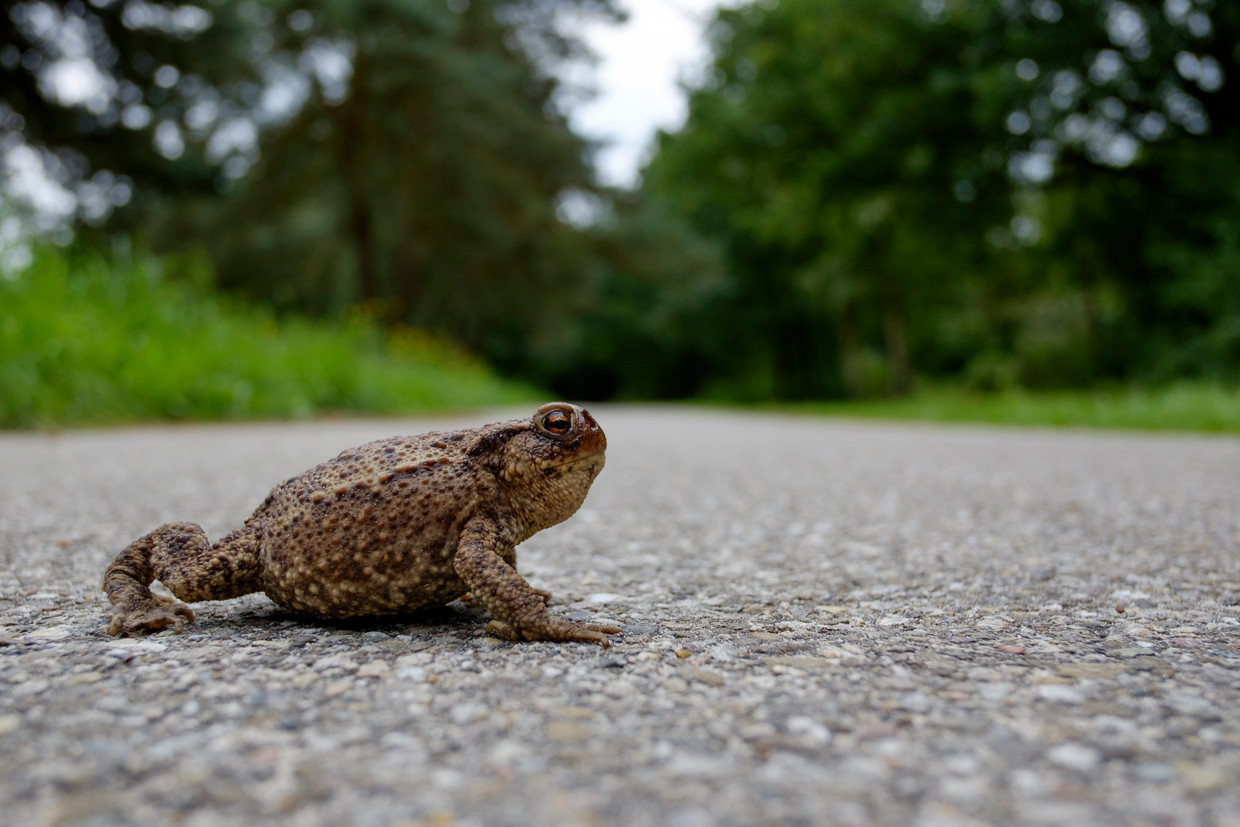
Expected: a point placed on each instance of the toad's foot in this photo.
(150, 614)
(557, 630)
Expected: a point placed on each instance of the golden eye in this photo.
(557, 422)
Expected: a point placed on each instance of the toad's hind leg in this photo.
(179, 556)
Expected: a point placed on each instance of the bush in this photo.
(87, 339)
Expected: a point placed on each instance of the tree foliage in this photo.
(866, 192)
(1015, 191)
(432, 185)
(406, 154)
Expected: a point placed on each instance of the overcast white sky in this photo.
(640, 64)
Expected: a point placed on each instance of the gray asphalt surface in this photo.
(825, 623)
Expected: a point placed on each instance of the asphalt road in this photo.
(825, 623)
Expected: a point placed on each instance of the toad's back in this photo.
(374, 531)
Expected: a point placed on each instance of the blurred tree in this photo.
(94, 98)
(1130, 125)
(838, 146)
(962, 187)
(426, 183)
(408, 155)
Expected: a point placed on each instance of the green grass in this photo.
(84, 340)
(1185, 406)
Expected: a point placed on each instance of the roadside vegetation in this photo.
(87, 339)
(1184, 406)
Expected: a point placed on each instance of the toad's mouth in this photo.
(598, 457)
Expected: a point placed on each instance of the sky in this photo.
(637, 79)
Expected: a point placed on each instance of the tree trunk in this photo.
(360, 226)
(1093, 331)
(895, 332)
(352, 121)
(1092, 263)
(851, 351)
(405, 281)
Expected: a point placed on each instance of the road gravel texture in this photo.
(824, 622)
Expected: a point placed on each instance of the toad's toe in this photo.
(151, 616)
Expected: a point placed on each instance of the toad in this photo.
(393, 526)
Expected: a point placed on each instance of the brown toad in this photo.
(393, 526)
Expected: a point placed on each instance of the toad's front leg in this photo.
(519, 611)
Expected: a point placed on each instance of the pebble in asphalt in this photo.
(825, 623)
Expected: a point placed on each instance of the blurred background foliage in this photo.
(868, 196)
(1040, 194)
(88, 339)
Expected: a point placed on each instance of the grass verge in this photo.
(1184, 406)
(86, 340)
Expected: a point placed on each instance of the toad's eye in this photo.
(557, 422)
